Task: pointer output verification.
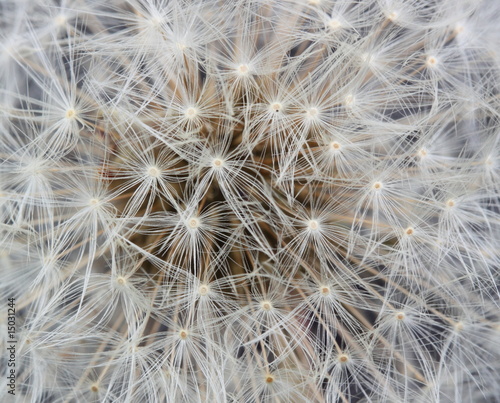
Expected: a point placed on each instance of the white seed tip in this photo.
(343, 358)
(349, 100)
(312, 112)
(335, 146)
(217, 163)
(183, 334)
(70, 114)
(377, 186)
(203, 289)
(242, 69)
(400, 315)
(194, 222)
(450, 203)
(266, 305)
(313, 225)
(334, 24)
(431, 61)
(409, 231)
(154, 172)
(324, 290)
(60, 20)
(276, 107)
(121, 280)
(191, 113)
(392, 16)
(93, 202)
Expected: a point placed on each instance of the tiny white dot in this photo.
(70, 114)
(266, 305)
(312, 113)
(203, 289)
(194, 222)
(431, 61)
(334, 24)
(276, 107)
(349, 100)
(191, 113)
(392, 16)
(243, 69)
(154, 172)
(335, 146)
(121, 280)
(218, 163)
(313, 225)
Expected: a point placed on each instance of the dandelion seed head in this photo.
(195, 190)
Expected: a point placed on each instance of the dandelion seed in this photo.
(154, 172)
(431, 61)
(243, 69)
(191, 113)
(313, 225)
(194, 222)
(266, 305)
(276, 107)
(218, 163)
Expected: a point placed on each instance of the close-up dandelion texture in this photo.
(250, 201)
